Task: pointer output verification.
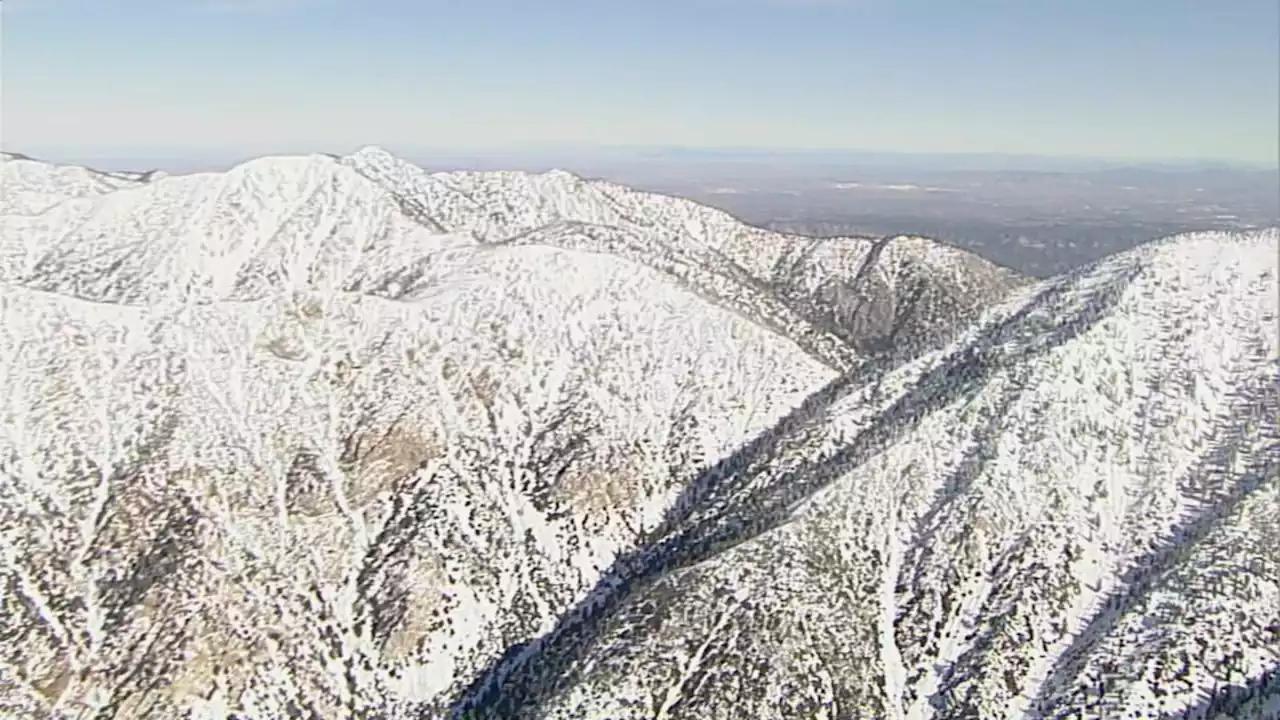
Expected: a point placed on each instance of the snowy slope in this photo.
(257, 499)
(371, 223)
(269, 443)
(1073, 511)
(269, 225)
(893, 296)
(338, 437)
(29, 186)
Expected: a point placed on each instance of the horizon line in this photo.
(70, 155)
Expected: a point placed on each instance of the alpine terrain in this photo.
(338, 437)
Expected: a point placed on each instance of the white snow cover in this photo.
(334, 437)
(195, 400)
(1073, 510)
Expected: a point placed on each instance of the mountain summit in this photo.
(339, 437)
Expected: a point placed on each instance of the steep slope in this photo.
(1073, 510)
(336, 437)
(843, 300)
(231, 483)
(893, 296)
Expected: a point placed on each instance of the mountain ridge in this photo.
(805, 274)
(276, 446)
(1268, 473)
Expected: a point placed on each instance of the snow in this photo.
(207, 383)
(988, 617)
(341, 434)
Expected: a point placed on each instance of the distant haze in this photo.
(218, 80)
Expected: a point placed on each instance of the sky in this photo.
(1133, 79)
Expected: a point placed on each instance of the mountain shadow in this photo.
(736, 500)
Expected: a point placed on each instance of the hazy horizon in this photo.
(571, 157)
(1152, 81)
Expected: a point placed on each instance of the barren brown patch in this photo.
(52, 680)
(307, 490)
(214, 657)
(424, 613)
(373, 462)
(605, 488)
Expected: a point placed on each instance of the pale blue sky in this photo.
(1103, 78)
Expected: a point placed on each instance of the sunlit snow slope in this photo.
(1072, 511)
(234, 479)
(338, 437)
(839, 298)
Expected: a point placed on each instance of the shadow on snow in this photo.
(738, 498)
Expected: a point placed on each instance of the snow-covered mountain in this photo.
(290, 223)
(238, 441)
(1072, 511)
(888, 297)
(339, 437)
